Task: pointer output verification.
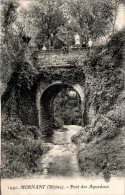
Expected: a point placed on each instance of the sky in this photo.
(24, 3)
(120, 20)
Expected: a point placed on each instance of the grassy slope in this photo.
(21, 147)
(105, 130)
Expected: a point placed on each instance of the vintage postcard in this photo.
(62, 97)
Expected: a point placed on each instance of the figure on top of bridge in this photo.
(77, 39)
(55, 42)
(51, 40)
(44, 48)
(90, 43)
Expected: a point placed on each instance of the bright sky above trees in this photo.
(120, 21)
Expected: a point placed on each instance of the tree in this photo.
(13, 48)
(43, 18)
(8, 38)
(95, 17)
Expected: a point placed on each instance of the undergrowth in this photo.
(102, 137)
(21, 148)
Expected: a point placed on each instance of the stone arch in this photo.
(45, 102)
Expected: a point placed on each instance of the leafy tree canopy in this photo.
(35, 24)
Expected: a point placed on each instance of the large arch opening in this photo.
(50, 106)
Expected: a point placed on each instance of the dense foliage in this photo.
(25, 30)
(21, 147)
(67, 108)
(103, 134)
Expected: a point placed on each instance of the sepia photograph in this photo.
(62, 97)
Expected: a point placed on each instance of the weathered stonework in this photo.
(36, 105)
(48, 88)
(46, 93)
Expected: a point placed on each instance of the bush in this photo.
(21, 148)
(99, 157)
(104, 134)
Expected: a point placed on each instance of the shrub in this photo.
(99, 157)
(21, 148)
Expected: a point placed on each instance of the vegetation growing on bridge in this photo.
(21, 37)
(72, 75)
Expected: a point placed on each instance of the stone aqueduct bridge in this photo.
(64, 75)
